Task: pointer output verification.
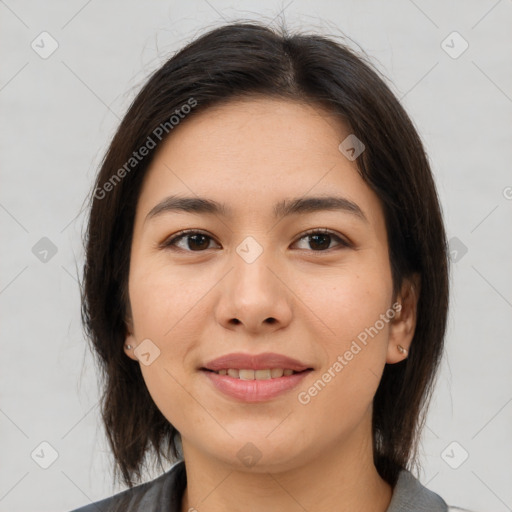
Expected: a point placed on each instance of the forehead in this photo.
(251, 154)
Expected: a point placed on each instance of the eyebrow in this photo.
(285, 208)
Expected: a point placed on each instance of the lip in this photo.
(255, 390)
(241, 361)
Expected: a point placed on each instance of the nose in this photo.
(254, 296)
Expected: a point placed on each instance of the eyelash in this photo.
(170, 243)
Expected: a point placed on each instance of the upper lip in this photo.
(243, 361)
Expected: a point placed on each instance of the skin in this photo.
(200, 303)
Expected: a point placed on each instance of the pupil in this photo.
(326, 239)
(197, 244)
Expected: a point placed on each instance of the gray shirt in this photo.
(163, 494)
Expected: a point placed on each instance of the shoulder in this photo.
(410, 495)
(162, 493)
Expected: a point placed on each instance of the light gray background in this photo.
(58, 116)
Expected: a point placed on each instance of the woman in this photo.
(266, 282)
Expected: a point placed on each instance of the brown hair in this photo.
(244, 59)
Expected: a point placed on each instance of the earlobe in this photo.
(129, 347)
(403, 325)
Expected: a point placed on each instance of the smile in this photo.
(249, 374)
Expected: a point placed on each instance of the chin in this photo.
(259, 453)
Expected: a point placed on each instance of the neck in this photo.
(342, 477)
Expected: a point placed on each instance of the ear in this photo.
(130, 340)
(403, 325)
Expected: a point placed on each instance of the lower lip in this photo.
(255, 390)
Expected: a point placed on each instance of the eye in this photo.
(320, 239)
(190, 240)
(196, 241)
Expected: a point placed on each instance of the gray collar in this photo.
(409, 495)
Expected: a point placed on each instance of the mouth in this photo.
(255, 378)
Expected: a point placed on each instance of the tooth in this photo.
(262, 374)
(247, 374)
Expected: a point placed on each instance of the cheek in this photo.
(163, 307)
(347, 302)
(163, 300)
(344, 388)
(355, 312)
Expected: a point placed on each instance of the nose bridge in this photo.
(252, 294)
(252, 277)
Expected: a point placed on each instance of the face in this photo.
(303, 286)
